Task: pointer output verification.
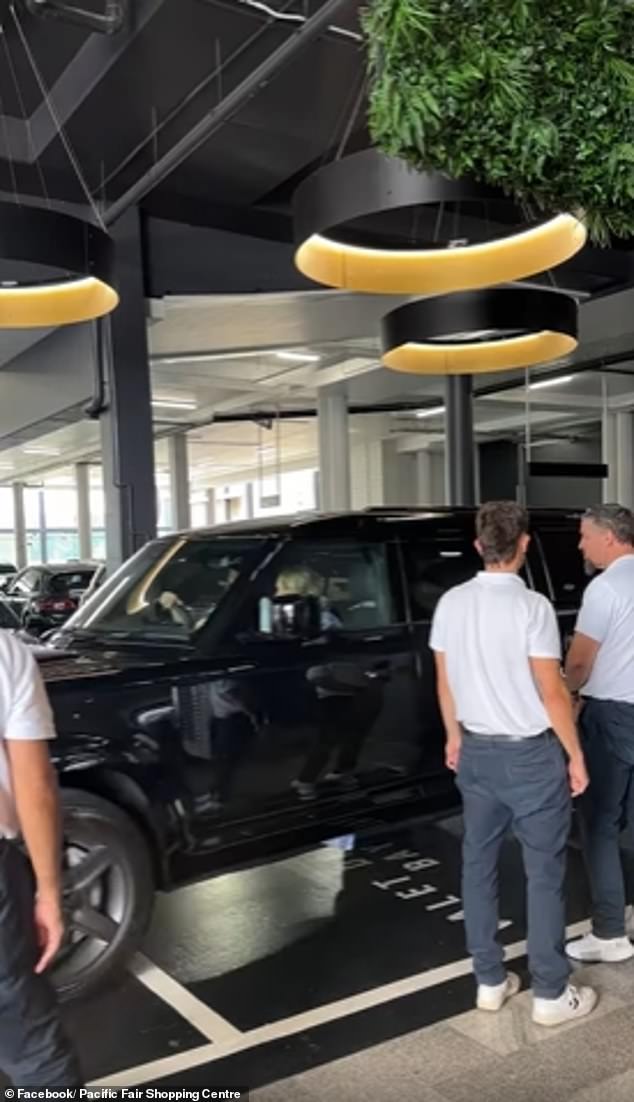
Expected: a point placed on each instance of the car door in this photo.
(317, 721)
(560, 572)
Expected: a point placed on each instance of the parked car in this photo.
(232, 696)
(44, 597)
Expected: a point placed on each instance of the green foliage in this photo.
(533, 96)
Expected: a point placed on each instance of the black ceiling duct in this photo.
(113, 18)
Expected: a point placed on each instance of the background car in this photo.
(44, 597)
(7, 573)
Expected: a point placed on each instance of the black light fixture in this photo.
(369, 223)
(55, 269)
(480, 331)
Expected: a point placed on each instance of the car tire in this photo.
(108, 895)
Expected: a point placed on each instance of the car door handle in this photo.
(376, 669)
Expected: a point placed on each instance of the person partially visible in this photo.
(34, 1051)
(510, 728)
(600, 672)
(302, 581)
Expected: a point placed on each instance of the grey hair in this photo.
(613, 518)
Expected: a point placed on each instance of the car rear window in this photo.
(64, 585)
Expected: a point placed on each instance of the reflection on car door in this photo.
(563, 577)
(292, 723)
(22, 591)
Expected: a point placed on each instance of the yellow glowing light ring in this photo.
(479, 357)
(51, 304)
(430, 271)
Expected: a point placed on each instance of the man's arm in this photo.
(558, 705)
(580, 660)
(448, 712)
(37, 804)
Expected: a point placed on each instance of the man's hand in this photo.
(452, 753)
(578, 775)
(49, 929)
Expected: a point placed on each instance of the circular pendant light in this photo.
(480, 331)
(55, 269)
(370, 223)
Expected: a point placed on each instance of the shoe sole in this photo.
(552, 1023)
(603, 958)
(513, 989)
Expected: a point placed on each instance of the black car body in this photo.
(44, 597)
(235, 695)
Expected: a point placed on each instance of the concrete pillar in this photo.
(334, 449)
(126, 421)
(179, 481)
(211, 507)
(41, 504)
(609, 455)
(84, 525)
(19, 524)
(249, 501)
(625, 459)
(459, 440)
(424, 478)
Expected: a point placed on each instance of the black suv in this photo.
(232, 696)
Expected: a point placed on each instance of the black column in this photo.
(459, 441)
(126, 425)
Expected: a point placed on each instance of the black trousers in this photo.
(34, 1050)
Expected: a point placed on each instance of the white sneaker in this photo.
(599, 950)
(493, 998)
(576, 1002)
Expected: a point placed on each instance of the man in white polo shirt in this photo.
(509, 719)
(34, 1051)
(600, 664)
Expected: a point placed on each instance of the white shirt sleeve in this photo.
(29, 714)
(596, 612)
(544, 640)
(438, 635)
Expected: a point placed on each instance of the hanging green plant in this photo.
(533, 96)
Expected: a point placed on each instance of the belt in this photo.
(497, 739)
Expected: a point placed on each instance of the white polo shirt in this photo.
(488, 629)
(25, 713)
(607, 616)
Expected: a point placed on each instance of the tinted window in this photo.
(351, 580)
(435, 565)
(63, 585)
(564, 563)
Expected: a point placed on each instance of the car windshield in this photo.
(167, 590)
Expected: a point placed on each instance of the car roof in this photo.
(355, 522)
(63, 567)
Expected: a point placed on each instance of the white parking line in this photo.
(321, 1015)
(193, 1010)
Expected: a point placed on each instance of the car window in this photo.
(432, 566)
(27, 583)
(564, 563)
(62, 585)
(350, 579)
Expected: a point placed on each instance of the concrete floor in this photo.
(342, 973)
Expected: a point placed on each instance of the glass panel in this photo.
(565, 564)
(434, 566)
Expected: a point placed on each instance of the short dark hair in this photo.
(500, 525)
(614, 518)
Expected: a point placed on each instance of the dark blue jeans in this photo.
(608, 742)
(34, 1050)
(523, 786)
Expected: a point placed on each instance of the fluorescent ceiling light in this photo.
(36, 450)
(299, 357)
(174, 403)
(435, 411)
(551, 382)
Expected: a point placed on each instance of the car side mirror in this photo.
(290, 617)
